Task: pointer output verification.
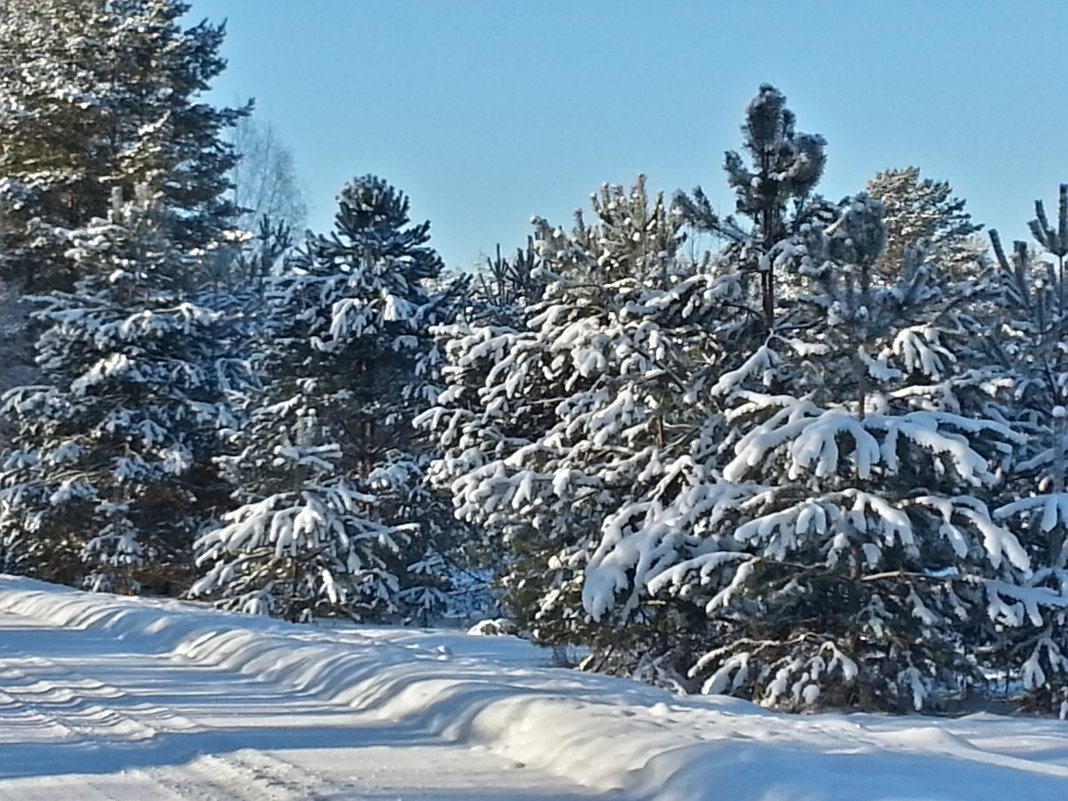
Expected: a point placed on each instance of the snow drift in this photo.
(608, 734)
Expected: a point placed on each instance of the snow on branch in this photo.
(809, 439)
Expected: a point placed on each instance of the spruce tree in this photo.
(108, 479)
(335, 517)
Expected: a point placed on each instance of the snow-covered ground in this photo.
(129, 700)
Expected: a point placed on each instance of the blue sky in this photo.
(489, 111)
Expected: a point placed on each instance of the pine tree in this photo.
(923, 214)
(335, 517)
(857, 467)
(867, 528)
(775, 488)
(506, 285)
(96, 96)
(109, 475)
(1029, 612)
(784, 167)
(561, 432)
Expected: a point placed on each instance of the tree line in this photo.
(821, 464)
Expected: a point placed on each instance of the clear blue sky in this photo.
(489, 111)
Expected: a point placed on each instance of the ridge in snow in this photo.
(140, 693)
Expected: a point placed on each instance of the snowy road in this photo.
(117, 699)
(85, 716)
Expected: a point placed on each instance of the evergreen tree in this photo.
(560, 430)
(846, 566)
(778, 489)
(865, 521)
(96, 96)
(109, 474)
(864, 461)
(336, 518)
(507, 285)
(1030, 612)
(785, 165)
(924, 214)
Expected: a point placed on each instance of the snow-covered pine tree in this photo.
(851, 533)
(97, 95)
(336, 517)
(1030, 613)
(785, 165)
(109, 472)
(558, 431)
(922, 213)
(506, 286)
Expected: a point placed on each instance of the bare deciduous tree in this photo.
(265, 180)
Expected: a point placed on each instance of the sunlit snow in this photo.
(125, 699)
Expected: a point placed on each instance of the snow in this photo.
(105, 697)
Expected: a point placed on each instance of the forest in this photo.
(810, 453)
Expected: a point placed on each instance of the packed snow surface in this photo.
(127, 699)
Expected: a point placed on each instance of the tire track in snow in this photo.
(168, 725)
(60, 703)
(246, 775)
(78, 705)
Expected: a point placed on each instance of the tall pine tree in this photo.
(778, 488)
(923, 214)
(102, 95)
(850, 555)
